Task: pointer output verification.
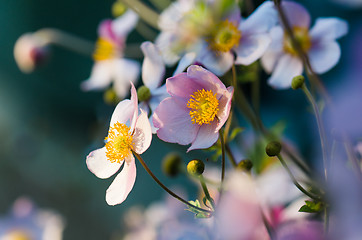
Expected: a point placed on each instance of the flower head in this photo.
(128, 132)
(110, 66)
(319, 43)
(198, 107)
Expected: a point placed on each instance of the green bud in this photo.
(171, 164)
(297, 82)
(118, 8)
(143, 93)
(273, 148)
(195, 167)
(245, 165)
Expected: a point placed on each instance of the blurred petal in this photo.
(328, 29)
(125, 71)
(153, 68)
(218, 63)
(286, 68)
(143, 135)
(125, 23)
(324, 56)
(98, 164)
(101, 76)
(275, 50)
(184, 62)
(296, 14)
(164, 42)
(122, 184)
(174, 123)
(206, 136)
(251, 48)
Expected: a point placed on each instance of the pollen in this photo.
(301, 36)
(104, 50)
(203, 107)
(119, 142)
(225, 36)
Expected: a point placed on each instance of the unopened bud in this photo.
(171, 164)
(245, 165)
(273, 148)
(297, 82)
(118, 8)
(143, 93)
(195, 167)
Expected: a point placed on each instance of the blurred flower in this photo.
(198, 107)
(153, 71)
(128, 132)
(319, 43)
(211, 32)
(110, 66)
(300, 230)
(26, 222)
(30, 50)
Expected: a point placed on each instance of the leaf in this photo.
(311, 207)
(234, 133)
(198, 213)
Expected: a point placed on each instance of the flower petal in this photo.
(125, 23)
(324, 56)
(164, 43)
(328, 29)
(182, 86)
(174, 123)
(122, 184)
(224, 107)
(123, 112)
(153, 68)
(101, 76)
(184, 62)
(275, 50)
(125, 71)
(296, 14)
(98, 164)
(218, 63)
(206, 136)
(251, 48)
(142, 135)
(286, 68)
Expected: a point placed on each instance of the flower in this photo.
(110, 66)
(128, 132)
(319, 43)
(30, 50)
(198, 107)
(153, 71)
(211, 32)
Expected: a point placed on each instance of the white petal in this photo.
(143, 135)
(218, 63)
(329, 29)
(101, 76)
(164, 43)
(98, 164)
(206, 136)
(153, 68)
(122, 184)
(251, 48)
(125, 71)
(184, 62)
(286, 68)
(125, 23)
(296, 14)
(324, 56)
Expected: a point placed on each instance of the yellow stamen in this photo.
(204, 107)
(301, 36)
(225, 37)
(104, 50)
(17, 235)
(119, 142)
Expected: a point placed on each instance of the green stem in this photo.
(221, 137)
(255, 87)
(230, 155)
(164, 187)
(206, 191)
(295, 181)
(326, 221)
(143, 11)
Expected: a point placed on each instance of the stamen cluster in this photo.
(119, 142)
(204, 106)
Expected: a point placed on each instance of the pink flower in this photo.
(198, 107)
(128, 132)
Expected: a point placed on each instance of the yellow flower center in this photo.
(204, 107)
(119, 142)
(225, 37)
(301, 36)
(104, 50)
(17, 235)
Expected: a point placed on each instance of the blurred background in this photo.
(48, 125)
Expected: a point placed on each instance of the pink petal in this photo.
(206, 136)
(224, 107)
(153, 68)
(98, 164)
(143, 135)
(122, 184)
(182, 86)
(251, 48)
(296, 14)
(134, 100)
(174, 123)
(324, 56)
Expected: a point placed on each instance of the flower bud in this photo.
(143, 93)
(298, 82)
(171, 164)
(245, 165)
(118, 8)
(195, 167)
(273, 148)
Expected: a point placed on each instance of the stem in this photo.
(255, 88)
(326, 221)
(164, 187)
(321, 130)
(206, 191)
(295, 181)
(230, 155)
(66, 40)
(222, 155)
(143, 11)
